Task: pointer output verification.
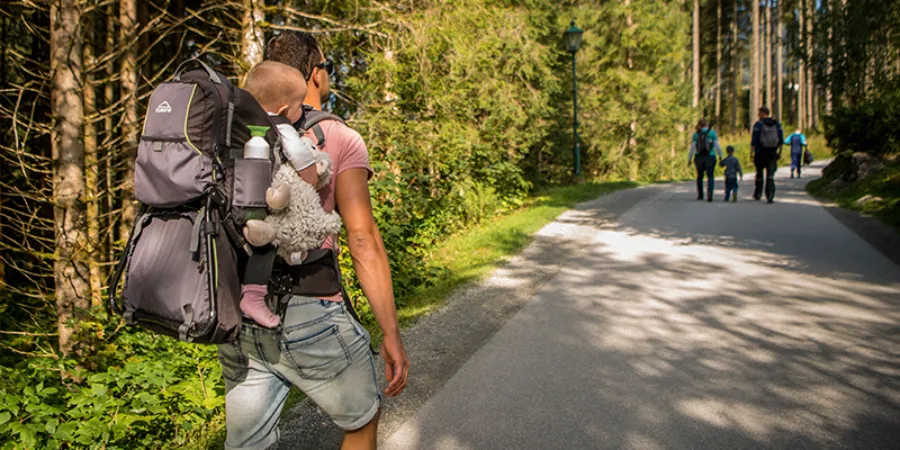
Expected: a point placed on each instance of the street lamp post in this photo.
(573, 42)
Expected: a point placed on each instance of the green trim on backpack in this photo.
(186, 115)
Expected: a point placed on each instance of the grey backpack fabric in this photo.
(311, 119)
(183, 260)
(768, 136)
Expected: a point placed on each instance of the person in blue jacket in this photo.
(797, 141)
(705, 152)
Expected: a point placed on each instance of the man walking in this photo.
(320, 348)
(765, 150)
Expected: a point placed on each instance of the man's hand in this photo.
(396, 365)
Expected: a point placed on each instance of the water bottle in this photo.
(257, 147)
(256, 154)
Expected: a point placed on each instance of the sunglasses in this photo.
(327, 66)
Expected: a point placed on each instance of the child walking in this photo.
(732, 170)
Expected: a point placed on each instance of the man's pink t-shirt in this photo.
(347, 150)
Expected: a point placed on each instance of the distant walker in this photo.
(701, 155)
(765, 150)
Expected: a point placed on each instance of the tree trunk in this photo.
(176, 8)
(790, 101)
(801, 69)
(70, 268)
(810, 67)
(769, 47)
(735, 67)
(629, 23)
(829, 100)
(4, 77)
(696, 100)
(129, 86)
(108, 99)
(754, 63)
(842, 99)
(718, 61)
(252, 40)
(779, 62)
(91, 169)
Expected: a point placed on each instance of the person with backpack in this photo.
(704, 153)
(797, 141)
(320, 347)
(765, 150)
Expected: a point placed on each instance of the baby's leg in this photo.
(253, 292)
(253, 304)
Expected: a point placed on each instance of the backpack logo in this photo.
(164, 107)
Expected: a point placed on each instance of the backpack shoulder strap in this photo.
(279, 120)
(312, 118)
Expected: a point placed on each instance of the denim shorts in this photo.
(320, 349)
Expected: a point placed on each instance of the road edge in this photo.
(876, 233)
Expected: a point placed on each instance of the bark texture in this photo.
(252, 38)
(128, 74)
(696, 99)
(70, 266)
(754, 64)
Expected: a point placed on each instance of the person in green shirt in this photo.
(704, 153)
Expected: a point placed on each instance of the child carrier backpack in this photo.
(181, 264)
(703, 144)
(320, 274)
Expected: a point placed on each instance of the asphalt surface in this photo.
(688, 325)
(442, 342)
(649, 320)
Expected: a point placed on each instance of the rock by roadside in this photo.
(844, 170)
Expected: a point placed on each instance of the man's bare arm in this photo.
(372, 269)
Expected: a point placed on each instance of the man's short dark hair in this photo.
(764, 110)
(297, 49)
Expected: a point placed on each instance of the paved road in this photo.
(679, 324)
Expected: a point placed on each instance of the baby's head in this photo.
(730, 150)
(279, 89)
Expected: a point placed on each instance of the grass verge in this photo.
(882, 191)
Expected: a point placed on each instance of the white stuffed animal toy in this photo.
(296, 222)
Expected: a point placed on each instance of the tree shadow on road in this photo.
(684, 336)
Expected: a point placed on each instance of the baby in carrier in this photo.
(296, 221)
